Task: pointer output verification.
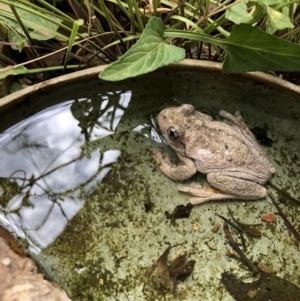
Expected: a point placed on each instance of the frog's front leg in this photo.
(180, 172)
(238, 122)
(225, 186)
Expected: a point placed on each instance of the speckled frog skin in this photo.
(226, 151)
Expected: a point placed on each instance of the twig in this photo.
(285, 220)
(236, 248)
(297, 202)
(237, 228)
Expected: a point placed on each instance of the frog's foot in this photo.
(235, 119)
(159, 157)
(183, 171)
(203, 193)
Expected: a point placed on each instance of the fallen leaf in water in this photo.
(180, 211)
(269, 218)
(266, 268)
(215, 228)
(166, 275)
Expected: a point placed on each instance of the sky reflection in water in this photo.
(47, 168)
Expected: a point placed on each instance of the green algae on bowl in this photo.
(79, 185)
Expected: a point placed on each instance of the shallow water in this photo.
(78, 183)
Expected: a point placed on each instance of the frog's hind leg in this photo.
(234, 184)
(224, 188)
(204, 194)
(237, 121)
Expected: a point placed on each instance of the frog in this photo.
(224, 150)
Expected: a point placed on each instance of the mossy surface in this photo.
(102, 199)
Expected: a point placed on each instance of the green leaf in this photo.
(75, 28)
(277, 20)
(11, 70)
(267, 2)
(22, 45)
(238, 14)
(250, 49)
(14, 87)
(40, 26)
(147, 54)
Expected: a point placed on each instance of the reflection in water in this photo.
(51, 161)
(100, 121)
(155, 133)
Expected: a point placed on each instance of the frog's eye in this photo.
(172, 133)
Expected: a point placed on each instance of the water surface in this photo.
(79, 185)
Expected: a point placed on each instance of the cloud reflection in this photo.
(51, 161)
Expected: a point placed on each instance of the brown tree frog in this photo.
(226, 151)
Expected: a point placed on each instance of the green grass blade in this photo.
(40, 25)
(188, 22)
(19, 69)
(137, 14)
(127, 39)
(76, 26)
(6, 59)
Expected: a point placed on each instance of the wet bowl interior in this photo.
(79, 186)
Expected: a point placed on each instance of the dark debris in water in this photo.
(267, 287)
(148, 207)
(180, 211)
(237, 249)
(249, 229)
(261, 136)
(241, 228)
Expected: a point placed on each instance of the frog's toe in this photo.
(204, 193)
(198, 190)
(211, 197)
(158, 155)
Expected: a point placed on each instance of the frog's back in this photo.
(220, 147)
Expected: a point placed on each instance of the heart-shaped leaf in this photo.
(149, 53)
